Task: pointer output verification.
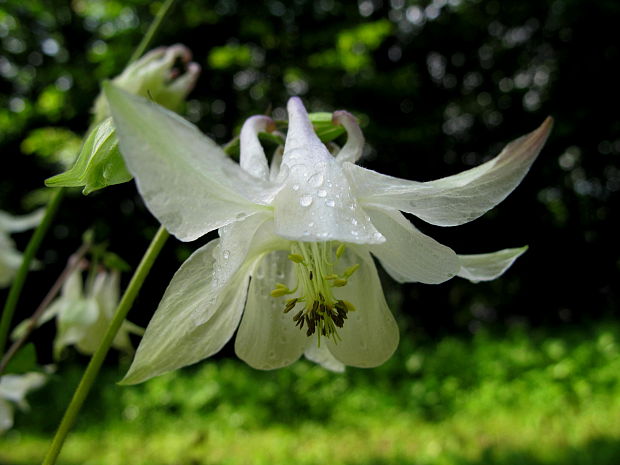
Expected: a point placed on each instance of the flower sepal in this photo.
(99, 163)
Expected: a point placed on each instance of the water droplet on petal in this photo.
(316, 180)
(295, 187)
(354, 222)
(322, 193)
(305, 200)
(330, 203)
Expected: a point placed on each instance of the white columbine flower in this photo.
(13, 390)
(10, 258)
(83, 314)
(292, 269)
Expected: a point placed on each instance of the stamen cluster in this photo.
(322, 313)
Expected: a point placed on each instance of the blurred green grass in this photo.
(523, 397)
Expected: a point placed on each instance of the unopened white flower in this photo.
(292, 269)
(13, 390)
(155, 77)
(10, 257)
(84, 314)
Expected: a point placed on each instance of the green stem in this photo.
(150, 34)
(89, 376)
(22, 272)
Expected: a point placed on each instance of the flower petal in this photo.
(185, 179)
(370, 334)
(488, 266)
(174, 337)
(252, 155)
(322, 356)
(316, 202)
(267, 337)
(409, 255)
(202, 305)
(455, 199)
(11, 223)
(353, 148)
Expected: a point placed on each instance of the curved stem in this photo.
(89, 376)
(150, 34)
(22, 272)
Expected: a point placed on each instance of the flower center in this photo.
(314, 267)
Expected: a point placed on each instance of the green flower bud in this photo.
(99, 163)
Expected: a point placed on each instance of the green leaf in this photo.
(24, 361)
(99, 163)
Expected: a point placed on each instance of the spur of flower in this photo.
(292, 270)
(10, 257)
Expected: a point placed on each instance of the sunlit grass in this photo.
(521, 398)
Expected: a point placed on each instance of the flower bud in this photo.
(155, 77)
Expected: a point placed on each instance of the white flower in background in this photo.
(296, 238)
(13, 390)
(10, 258)
(83, 314)
(154, 76)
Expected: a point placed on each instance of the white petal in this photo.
(15, 387)
(488, 266)
(174, 337)
(252, 155)
(455, 199)
(186, 180)
(10, 223)
(353, 149)
(322, 356)
(267, 337)
(409, 255)
(316, 202)
(370, 334)
(202, 305)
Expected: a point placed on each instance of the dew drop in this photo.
(316, 180)
(322, 193)
(354, 222)
(295, 187)
(305, 200)
(311, 224)
(330, 203)
(226, 254)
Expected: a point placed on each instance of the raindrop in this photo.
(305, 200)
(295, 187)
(322, 193)
(330, 203)
(354, 222)
(316, 180)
